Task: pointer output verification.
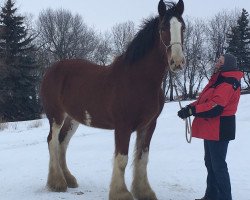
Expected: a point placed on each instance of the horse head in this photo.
(171, 28)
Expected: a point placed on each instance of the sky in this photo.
(103, 14)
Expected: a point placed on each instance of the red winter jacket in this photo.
(216, 107)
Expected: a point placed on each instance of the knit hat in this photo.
(230, 63)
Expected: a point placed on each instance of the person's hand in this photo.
(185, 112)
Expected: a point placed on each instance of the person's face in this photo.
(219, 62)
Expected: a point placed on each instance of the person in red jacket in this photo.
(214, 121)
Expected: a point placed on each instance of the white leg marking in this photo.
(120, 164)
(56, 180)
(71, 181)
(141, 188)
(140, 168)
(53, 146)
(118, 189)
(71, 131)
(87, 118)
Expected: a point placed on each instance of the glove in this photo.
(186, 112)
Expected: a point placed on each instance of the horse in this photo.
(125, 96)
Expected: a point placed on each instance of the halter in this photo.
(171, 44)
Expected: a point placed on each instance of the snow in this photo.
(176, 169)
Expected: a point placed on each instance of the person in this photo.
(214, 121)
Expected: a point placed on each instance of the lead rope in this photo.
(188, 129)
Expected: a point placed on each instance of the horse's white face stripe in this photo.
(175, 31)
(176, 49)
(87, 118)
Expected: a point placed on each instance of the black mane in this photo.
(143, 41)
(145, 38)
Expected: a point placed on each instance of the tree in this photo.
(19, 83)
(123, 33)
(63, 35)
(239, 44)
(103, 51)
(196, 59)
(217, 29)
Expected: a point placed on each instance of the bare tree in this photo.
(217, 29)
(103, 51)
(168, 85)
(65, 35)
(196, 59)
(123, 33)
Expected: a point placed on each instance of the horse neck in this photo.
(152, 67)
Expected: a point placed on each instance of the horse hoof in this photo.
(71, 182)
(57, 186)
(121, 196)
(146, 196)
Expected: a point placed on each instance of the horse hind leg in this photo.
(141, 188)
(56, 181)
(67, 131)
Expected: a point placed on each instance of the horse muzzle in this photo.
(177, 63)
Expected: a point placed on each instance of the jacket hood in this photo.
(236, 74)
(230, 63)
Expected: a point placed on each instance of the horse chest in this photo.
(146, 109)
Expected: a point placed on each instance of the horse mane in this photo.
(143, 41)
(145, 38)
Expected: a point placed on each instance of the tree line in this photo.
(27, 49)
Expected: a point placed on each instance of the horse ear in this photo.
(161, 9)
(180, 7)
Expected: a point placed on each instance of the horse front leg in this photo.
(141, 188)
(118, 188)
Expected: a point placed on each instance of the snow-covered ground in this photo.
(176, 169)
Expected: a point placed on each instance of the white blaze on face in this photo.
(175, 34)
(87, 118)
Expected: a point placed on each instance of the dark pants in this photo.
(218, 180)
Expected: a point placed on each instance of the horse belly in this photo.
(97, 121)
(89, 117)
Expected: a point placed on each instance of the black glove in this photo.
(186, 111)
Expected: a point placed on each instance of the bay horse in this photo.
(125, 96)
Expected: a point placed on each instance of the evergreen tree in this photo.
(19, 83)
(234, 41)
(244, 36)
(239, 44)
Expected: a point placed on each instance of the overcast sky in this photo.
(103, 14)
